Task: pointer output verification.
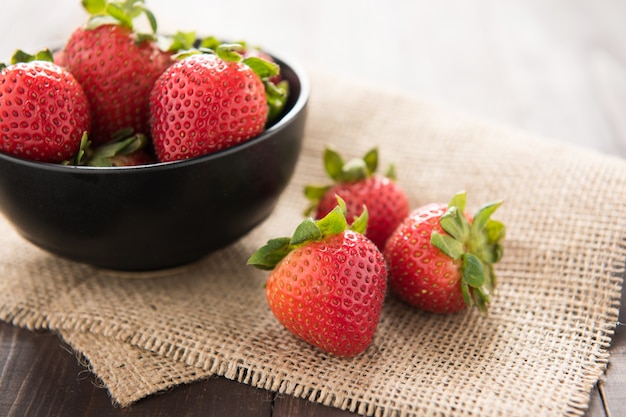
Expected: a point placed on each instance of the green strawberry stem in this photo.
(21, 56)
(103, 155)
(268, 256)
(339, 171)
(123, 142)
(476, 245)
(81, 155)
(178, 42)
(211, 42)
(123, 13)
(276, 95)
(354, 170)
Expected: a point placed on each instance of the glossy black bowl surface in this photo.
(160, 215)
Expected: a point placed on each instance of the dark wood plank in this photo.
(613, 387)
(596, 406)
(608, 398)
(40, 376)
(287, 406)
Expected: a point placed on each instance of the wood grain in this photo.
(285, 406)
(612, 392)
(40, 376)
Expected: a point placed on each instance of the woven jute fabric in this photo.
(538, 353)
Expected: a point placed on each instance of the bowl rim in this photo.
(298, 107)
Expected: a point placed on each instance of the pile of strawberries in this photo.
(328, 282)
(113, 96)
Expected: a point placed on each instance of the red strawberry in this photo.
(441, 259)
(357, 183)
(276, 88)
(327, 283)
(43, 109)
(58, 58)
(116, 66)
(139, 157)
(208, 102)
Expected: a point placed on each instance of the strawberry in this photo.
(125, 149)
(327, 283)
(138, 157)
(208, 102)
(44, 111)
(441, 259)
(276, 88)
(116, 66)
(357, 183)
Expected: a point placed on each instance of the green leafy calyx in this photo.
(341, 172)
(477, 245)
(123, 13)
(179, 41)
(268, 256)
(19, 56)
(124, 142)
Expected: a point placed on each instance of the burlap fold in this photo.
(539, 352)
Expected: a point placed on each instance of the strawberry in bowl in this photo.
(44, 111)
(207, 102)
(112, 203)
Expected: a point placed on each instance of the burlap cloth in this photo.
(538, 353)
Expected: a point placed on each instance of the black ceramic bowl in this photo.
(160, 215)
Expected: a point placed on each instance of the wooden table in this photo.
(555, 68)
(40, 376)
